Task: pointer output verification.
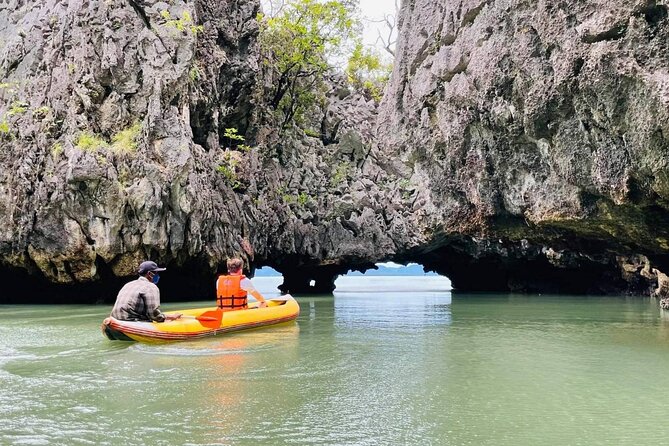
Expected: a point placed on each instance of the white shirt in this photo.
(246, 285)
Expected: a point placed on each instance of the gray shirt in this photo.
(138, 300)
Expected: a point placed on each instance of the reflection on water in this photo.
(395, 365)
(394, 303)
(392, 285)
(242, 343)
(392, 310)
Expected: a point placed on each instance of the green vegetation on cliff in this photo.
(296, 45)
(89, 141)
(125, 140)
(302, 44)
(366, 71)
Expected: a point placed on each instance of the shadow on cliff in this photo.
(21, 287)
(184, 283)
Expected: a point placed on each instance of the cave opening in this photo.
(386, 276)
(393, 277)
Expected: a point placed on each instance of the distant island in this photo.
(383, 270)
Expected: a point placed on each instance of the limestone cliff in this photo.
(520, 146)
(538, 133)
(112, 124)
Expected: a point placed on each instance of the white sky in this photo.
(376, 10)
(394, 265)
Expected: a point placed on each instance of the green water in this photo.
(356, 369)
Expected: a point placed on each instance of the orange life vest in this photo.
(229, 295)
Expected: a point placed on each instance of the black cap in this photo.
(147, 266)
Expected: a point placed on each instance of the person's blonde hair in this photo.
(235, 265)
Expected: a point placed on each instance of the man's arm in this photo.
(259, 297)
(152, 300)
(156, 315)
(247, 286)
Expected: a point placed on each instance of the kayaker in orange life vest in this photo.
(232, 290)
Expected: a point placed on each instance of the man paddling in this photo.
(232, 290)
(139, 300)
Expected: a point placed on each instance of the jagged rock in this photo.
(83, 198)
(520, 143)
(86, 204)
(662, 290)
(544, 122)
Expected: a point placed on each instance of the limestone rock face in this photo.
(537, 136)
(520, 146)
(112, 124)
(99, 168)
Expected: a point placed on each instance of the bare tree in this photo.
(388, 39)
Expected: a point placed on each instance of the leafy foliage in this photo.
(126, 140)
(41, 112)
(18, 108)
(312, 133)
(296, 45)
(56, 150)
(233, 135)
(194, 73)
(4, 128)
(406, 188)
(89, 141)
(340, 174)
(303, 198)
(228, 168)
(367, 71)
(183, 23)
(235, 140)
(230, 164)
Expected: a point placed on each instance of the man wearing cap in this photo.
(139, 300)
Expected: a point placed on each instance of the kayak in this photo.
(203, 322)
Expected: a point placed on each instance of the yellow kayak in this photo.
(203, 322)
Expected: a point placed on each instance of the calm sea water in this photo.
(378, 363)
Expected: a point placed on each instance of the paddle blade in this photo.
(210, 319)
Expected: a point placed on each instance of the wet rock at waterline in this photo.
(518, 147)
